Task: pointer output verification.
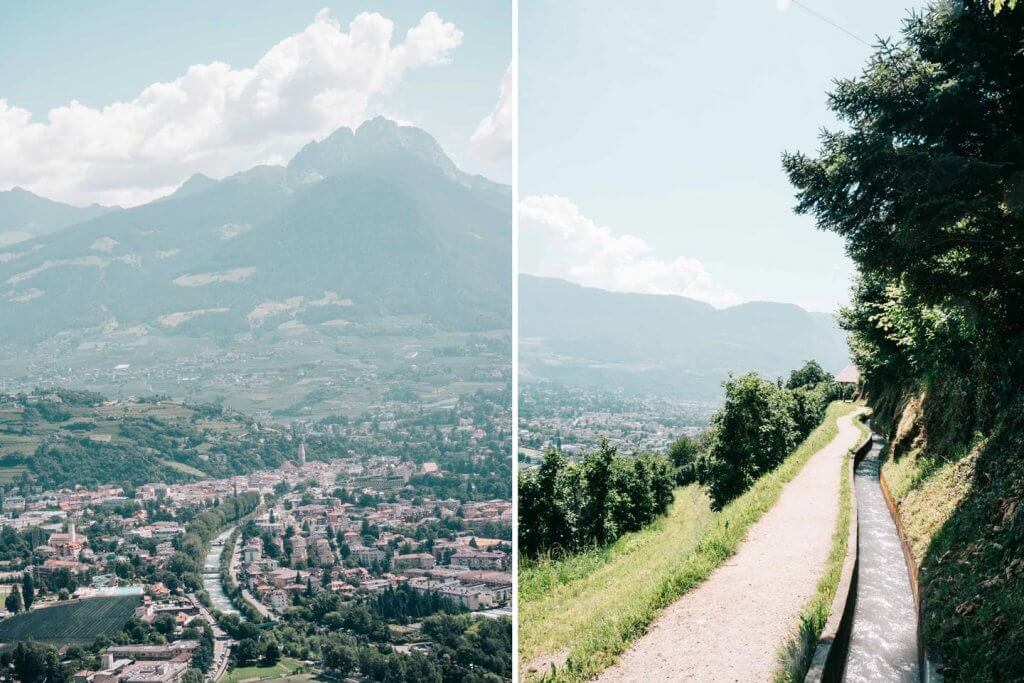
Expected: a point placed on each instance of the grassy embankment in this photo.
(960, 498)
(795, 655)
(580, 613)
(284, 668)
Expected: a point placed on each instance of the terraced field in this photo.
(72, 622)
(167, 439)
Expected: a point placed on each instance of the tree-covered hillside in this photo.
(925, 181)
(59, 437)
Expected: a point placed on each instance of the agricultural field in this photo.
(61, 423)
(80, 621)
(284, 669)
(305, 373)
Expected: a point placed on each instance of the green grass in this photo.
(74, 622)
(12, 473)
(929, 490)
(186, 469)
(285, 667)
(960, 500)
(796, 654)
(640, 584)
(561, 600)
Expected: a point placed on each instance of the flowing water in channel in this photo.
(211, 575)
(883, 643)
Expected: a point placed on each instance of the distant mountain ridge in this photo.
(669, 344)
(363, 224)
(24, 215)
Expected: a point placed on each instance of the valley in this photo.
(368, 265)
(663, 346)
(299, 373)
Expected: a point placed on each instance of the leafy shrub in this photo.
(758, 425)
(685, 456)
(566, 508)
(749, 436)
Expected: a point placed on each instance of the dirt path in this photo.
(731, 627)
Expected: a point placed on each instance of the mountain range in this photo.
(362, 224)
(24, 215)
(365, 225)
(666, 344)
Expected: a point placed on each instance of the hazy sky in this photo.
(651, 136)
(243, 82)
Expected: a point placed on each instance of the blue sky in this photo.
(101, 53)
(666, 121)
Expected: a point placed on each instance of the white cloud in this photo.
(493, 136)
(556, 240)
(216, 119)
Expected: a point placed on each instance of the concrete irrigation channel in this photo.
(884, 634)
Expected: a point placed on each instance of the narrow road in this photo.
(236, 560)
(221, 645)
(731, 627)
(883, 642)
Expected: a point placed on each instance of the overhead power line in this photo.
(831, 23)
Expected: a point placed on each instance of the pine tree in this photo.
(28, 590)
(13, 601)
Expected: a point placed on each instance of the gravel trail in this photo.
(731, 627)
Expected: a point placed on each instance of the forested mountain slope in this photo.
(363, 224)
(665, 344)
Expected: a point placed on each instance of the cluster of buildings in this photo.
(313, 532)
(142, 664)
(312, 541)
(575, 422)
(356, 525)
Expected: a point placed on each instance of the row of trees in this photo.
(926, 186)
(564, 507)
(190, 549)
(758, 425)
(467, 649)
(349, 640)
(925, 183)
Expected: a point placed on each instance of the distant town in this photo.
(373, 545)
(575, 420)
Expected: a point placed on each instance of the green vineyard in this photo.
(81, 621)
